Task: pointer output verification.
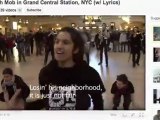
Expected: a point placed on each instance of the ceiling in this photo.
(52, 21)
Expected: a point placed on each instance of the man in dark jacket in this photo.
(135, 43)
(3, 47)
(122, 87)
(49, 45)
(39, 39)
(11, 83)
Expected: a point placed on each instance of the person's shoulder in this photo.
(2, 81)
(17, 77)
(92, 73)
(130, 84)
(92, 70)
(48, 67)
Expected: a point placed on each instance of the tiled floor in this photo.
(118, 64)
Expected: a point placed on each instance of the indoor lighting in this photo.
(27, 22)
(40, 27)
(7, 19)
(126, 18)
(94, 27)
(87, 28)
(80, 27)
(19, 27)
(20, 21)
(91, 19)
(14, 25)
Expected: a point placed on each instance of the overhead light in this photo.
(20, 21)
(73, 24)
(19, 27)
(126, 27)
(80, 27)
(94, 27)
(87, 28)
(59, 28)
(91, 19)
(7, 19)
(126, 19)
(27, 22)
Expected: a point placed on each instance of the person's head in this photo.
(135, 29)
(7, 74)
(69, 46)
(157, 52)
(103, 26)
(158, 112)
(122, 81)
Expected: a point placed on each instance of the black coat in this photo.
(129, 89)
(79, 75)
(135, 42)
(20, 84)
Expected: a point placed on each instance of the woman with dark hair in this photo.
(70, 83)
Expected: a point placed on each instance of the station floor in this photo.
(118, 64)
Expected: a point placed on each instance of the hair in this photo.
(77, 41)
(7, 71)
(123, 78)
(104, 24)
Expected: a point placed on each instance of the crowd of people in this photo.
(68, 47)
(132, 41)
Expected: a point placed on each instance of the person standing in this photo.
(39, 39)
(123, 41)
(49, 45)
(135, 42)
(20, 46)
(87, 43)
(97, 40)
(104, 44)
(70, 77)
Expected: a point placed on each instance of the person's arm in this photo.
(97, 101)
(25, 91)
(131, 90)
(114, 88)
(35, 105)
(2, 97)
(96, 95)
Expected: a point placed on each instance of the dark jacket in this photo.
(135, 43)
(129, 89)
(20, 84)
(79, 76)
